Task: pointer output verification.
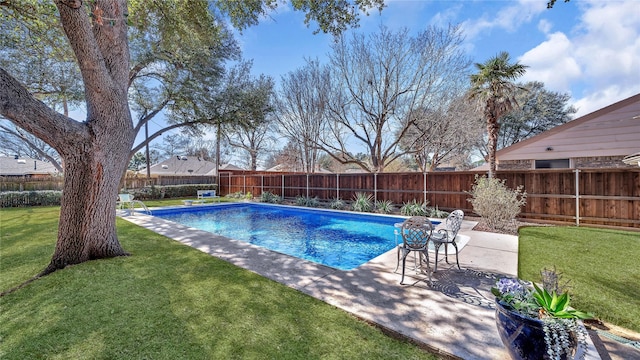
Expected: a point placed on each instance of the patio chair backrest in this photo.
(416, 232)
(453, 223)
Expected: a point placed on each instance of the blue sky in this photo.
(587, 48)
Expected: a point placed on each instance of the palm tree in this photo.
(493, 86)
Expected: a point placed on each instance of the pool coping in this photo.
(454, 316)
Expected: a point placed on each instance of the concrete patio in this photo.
(453, 317)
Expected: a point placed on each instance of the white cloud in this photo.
(552, 62)
(545, 26)
(509, 18)
(599, 58)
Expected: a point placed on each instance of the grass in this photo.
(166, 301)
(602, 266)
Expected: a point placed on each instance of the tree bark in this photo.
(493, 128)
(94, 152)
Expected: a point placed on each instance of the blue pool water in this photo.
(336, 239)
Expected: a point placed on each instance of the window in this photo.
(552, 164)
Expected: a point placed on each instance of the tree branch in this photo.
(31, 114)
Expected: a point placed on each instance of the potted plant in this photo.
(537, 323)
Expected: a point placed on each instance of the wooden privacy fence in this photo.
(608, 197)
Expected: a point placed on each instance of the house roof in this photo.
(229, 167)
(287, 168)
(187, 166)
(10, 166)
(611, 131)
(183, 166)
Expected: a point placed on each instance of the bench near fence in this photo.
(203, 196)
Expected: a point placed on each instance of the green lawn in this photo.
(603, 267)
(166, 301)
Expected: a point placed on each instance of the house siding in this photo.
(597, 140)
(593, 162)
(515, 165)
(600, 162)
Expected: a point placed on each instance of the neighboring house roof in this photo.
(10, 166)
(183, 166)
(287, 168)
(229, 167)
(187, 166)
(611, 131)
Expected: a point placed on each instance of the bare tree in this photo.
(286, 159)
(379, 81)
(301, 109)
(442, 134)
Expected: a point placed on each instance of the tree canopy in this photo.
(379, 81)
(96, 151)
(494, 87)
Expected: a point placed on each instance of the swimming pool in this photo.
(337, 239)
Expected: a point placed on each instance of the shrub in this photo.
(434, 212)
(167, 191)
(384, 206)
(414, 208)
(30, 198)
(337, 204)
(495, 202)
(269, 197)
(307, 201)
(362, 202)
(236, 195)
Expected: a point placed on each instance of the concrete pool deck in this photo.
(453, 317)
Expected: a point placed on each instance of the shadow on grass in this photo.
(167, 301)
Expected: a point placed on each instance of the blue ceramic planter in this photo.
(522, 336)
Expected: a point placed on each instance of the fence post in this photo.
(282, 186)
(375, 187)
(244, 184)
(577, 171)
(261, 184)
(337, 186)
(424, 186)
(307, 185)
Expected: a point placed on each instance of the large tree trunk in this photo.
(95, 152)
(87, 228)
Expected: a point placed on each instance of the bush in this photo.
(236, 195)
(384, 206)
(495, 202)
(167, 191)
(307, 201)
(434, 212)
(30, 198)
(337, 204)
(362, 202)
(414, 208)
(268, 197)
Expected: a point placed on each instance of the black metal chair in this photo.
(415, 233)
(447, 236)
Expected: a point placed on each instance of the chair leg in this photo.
(457, 262)
(404, 261)
(436, 246)
(426, 255)
(398, 259)
(446, 253)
